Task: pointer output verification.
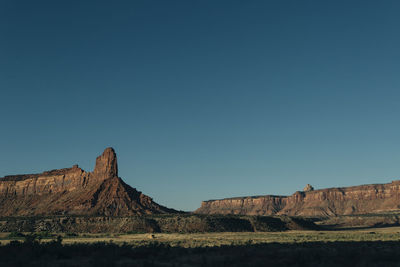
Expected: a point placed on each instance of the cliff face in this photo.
(74, 191)
(374, 198)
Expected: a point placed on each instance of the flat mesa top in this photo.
(21, 177)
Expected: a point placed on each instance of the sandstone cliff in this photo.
(74, 191)
(364, 199)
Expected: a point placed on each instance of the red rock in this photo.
(106, 164)
(74, 191)
(308, 187)
(363, 199)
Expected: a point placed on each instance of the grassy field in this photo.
(374, 247)
(219, 239)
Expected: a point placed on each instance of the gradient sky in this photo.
(203, 99)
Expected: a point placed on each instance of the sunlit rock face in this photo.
(106, 164)
(363, 199)
(74, 191)
(308, 187)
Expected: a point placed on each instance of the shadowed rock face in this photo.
(363, 199)
(74, 191)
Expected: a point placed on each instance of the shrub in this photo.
(70, 234)
(16, 235)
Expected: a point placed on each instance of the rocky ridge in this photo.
(75, 191)
(363, 199)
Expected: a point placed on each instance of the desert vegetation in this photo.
(291, 248)
(166, 223)
(192, 240)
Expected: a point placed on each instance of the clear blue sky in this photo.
(203, 99)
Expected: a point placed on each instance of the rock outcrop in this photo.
(75, 191)
(308, 187)
(106, 164)
(364, 199)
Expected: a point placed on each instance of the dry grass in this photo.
(377, 247)
(229, 238)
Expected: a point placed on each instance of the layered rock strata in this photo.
(364, 199)
(75, 191)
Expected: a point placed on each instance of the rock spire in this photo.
(106, 164)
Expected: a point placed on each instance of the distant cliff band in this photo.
(363, 199)
(73, 191)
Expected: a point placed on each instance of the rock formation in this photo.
(74, 191)
(308, 187)
(364, 199)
